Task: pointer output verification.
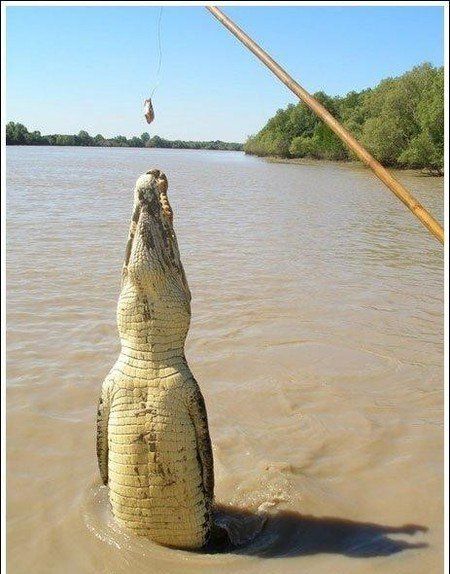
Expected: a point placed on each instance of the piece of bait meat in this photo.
(148, 111)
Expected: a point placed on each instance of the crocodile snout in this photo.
(155, 172)
(151, 191)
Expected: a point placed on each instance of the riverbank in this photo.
(18, 134)
(349, 163)
(400, 122)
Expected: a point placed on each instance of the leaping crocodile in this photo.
(153, 444)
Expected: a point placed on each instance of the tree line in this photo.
(400, 121)
(18, 134)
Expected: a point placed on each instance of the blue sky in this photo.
(72, 68)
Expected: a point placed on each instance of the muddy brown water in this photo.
(316, 337)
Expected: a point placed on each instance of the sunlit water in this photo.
(316, 338)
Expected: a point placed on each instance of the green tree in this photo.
(98, 140)
(401, 121)
(135, 142)
(16, 134)
(426, 149)
(145, 137)
(84, 138)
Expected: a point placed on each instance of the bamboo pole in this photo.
(382, 173)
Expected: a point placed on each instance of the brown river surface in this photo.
(316, 337)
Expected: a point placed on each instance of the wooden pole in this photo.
(382, 173)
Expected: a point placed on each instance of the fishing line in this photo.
(158, 70)
(148, 107)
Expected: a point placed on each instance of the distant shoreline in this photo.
(18, 134)
(125, 147)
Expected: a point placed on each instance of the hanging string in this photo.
(148, 107)
(158, 70)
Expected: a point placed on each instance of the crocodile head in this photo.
(154, 291)
(152, 259)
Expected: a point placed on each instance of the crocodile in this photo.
(153, 444)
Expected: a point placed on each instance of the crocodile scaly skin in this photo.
(153, 444)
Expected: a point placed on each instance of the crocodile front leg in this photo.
(104, 406)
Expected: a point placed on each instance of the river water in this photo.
(316, 337)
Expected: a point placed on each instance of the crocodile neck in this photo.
(153, 312)
(152, 332)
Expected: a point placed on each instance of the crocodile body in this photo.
(153, 444)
